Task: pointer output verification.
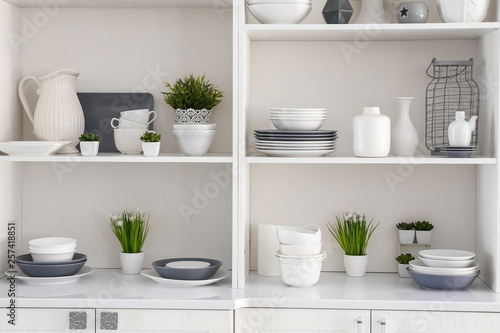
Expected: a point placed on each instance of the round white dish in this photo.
(296, 109)
(32, 148)
(280, 13)
(53, 280)
(447, 263)
(447, 254)
(187, 264)
(418, 266)
(298, 124)
(153, 275)
(296, 153)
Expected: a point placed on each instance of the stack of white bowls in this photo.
(52, 249)
(194, 139)
(444, 268)
(129, 128)
(297, 119)
(300, 255)
(279, 11)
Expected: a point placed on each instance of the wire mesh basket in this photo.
(451, 89)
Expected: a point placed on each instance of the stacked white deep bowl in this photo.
(444, 268)
(279, 11)
(194, 139)
(52, 249)
(297, 119)
(300, 255)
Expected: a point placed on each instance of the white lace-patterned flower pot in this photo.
(202, 116)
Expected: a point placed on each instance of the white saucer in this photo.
(153, 275)
(52, 280)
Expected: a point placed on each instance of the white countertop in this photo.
(109, 288)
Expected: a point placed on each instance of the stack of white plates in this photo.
(444, 269)
(297, 119)
(295, 143)
(459, 152)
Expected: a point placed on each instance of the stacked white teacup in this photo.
(129, 128)
(300, 255)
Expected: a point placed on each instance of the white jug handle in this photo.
(22, 95)
(154, 116)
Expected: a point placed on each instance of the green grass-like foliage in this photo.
(192, 93)
(423, 226)
(89, 137)
(405, 226)
(131, 229)
(151, 137)
(405, 258)
(352, 232)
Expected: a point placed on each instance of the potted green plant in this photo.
(406, 232)
(423, 232)
(131, 229)
(403, 262)
(151, 143)
(353, 233)
(89, 144)
(193, 99)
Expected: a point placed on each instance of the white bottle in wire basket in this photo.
(460, 130)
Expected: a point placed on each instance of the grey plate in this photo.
(27, 259)
(34, 270)
(186, 273)
(448, 282)
(100, 108)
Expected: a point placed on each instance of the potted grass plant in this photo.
(89, 144)
(353, 233)
(406, 232)
(131, 229)
(403, 262)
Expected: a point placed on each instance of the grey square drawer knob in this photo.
(109, 321)
(77, 320)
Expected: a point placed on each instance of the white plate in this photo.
(53, 280)
(297, 109)
(445, 254)
(295, 143)
(296, 148)
(153, 275)
(418, 266)
(32, 148)
(447, 263)
(187, 264)
(296, 153)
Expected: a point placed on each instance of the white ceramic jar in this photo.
(371, 133)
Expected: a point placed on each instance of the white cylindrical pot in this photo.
(267, 245)
(424, 236)
(406, 236)
(371, 133)
(355, 266)
(131, 262)
(456, 11)
(372, 11)
(404, 135)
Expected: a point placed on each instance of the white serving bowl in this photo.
(418, 266)
(195, 126)
(300, 272)
(61, 249)
(447, 263)
(298, 124)
(297, 109)
(263, 2)
(280, 13)
(294, 235)
(447, 254)
(297, 114)
(52, 257)
(128, 140)
(300, 250)
(52, 242)
(194, 142)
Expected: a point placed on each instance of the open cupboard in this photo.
(211, 205)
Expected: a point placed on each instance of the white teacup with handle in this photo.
(139, 116)
(127, 124)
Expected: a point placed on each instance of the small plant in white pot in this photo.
(89, 144)
(352, 232)
(151, 143)
(406, 232)
(403, 263)
(424, 233)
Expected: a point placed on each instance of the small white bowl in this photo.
(194, 142)
(263, 2)
(312, 256)
(298, 124)
(61, 249)
(294, 235)
(300, 250)
(300, 272)
(52, 257)
(52, 242)
(447, 263)
(280, 13)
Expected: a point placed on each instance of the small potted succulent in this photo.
(406, 232)
(424, 233)
(193, 99)
(151, 143)
(89, 144)
(403, 263)
(353, 233)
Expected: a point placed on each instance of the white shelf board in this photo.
(349, 159)
(120, 158)
(126, 3)
(349, 32)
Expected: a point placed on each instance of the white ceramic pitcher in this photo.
(58, 114)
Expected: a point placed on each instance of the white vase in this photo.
(406, 236)
(456, 11)
(424, 236)
(89, 148)
(404, 140)
(371, 133)
(131, 262)
(372, 11)
(58, 113)
(355, 266)
(151, 149)
(403, 272)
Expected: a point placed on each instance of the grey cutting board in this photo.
(100, 108)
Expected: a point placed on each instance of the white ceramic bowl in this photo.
(280, 13)
(61, 249)
(194, 142)
(418, 266)
(447, 263)
(274, 108)
(300, 272)
(294, 235)
(52, 242)
(447, 254)
(281, 255)
(263, 2)
(298, 124)
(128, 141)
(52, 257)
(452, 11)
(195, 126)
(300, 250)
